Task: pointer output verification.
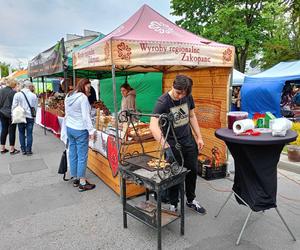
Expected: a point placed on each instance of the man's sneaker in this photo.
(86, 187)
(196, 207)
(172, 208)
(29, 153)
(76, 183)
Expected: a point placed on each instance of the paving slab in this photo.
(27, 166)
(41, 211)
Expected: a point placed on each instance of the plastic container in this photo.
(235, 116)
(293, 153)
(211, 173)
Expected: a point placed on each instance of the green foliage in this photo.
(4, 69)
(252, 26)
(283, 43)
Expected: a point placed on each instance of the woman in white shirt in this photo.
(79, 130)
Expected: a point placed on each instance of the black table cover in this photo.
(255, 159)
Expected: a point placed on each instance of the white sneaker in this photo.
(196, 207)
(172, 208)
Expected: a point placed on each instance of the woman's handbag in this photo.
(32, 109)
(63, 166)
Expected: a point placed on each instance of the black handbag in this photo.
(32, 109)
(63, 165)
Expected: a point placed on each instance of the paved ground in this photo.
(40, 211)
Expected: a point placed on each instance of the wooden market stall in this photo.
(148, 42)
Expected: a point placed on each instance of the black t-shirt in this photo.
(181, 112)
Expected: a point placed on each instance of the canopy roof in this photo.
(237, 78)
(71, 46)
(149, 42)
(19, 74)
(282, 71)
(266, 87)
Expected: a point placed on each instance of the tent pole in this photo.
(113, 73)
(37, 84)
(74, 78)
(44, 103)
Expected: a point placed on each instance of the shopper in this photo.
(179, 102)
(27, 100)
(6, 98)
(79, 130)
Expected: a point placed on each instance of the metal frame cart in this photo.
(134, 168)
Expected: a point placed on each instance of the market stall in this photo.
(266, 88)
(147, 42)
(52, 63)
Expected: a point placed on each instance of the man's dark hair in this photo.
(183, 82)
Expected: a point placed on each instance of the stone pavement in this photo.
(41, 211)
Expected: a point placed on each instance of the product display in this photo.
(235, 116)
(54, 102)
(142, 132)
(280, 126)
(242, 125)
(154, 163)
(101, 106)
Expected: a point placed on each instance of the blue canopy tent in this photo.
(262, 92)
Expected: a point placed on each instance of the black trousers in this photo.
(7, 129)
(190, 156)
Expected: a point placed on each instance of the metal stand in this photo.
(248, 216)
(156, 220)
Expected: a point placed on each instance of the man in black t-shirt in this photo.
(180, 103)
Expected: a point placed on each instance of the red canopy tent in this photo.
(149, 42)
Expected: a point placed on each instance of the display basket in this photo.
(134, 133)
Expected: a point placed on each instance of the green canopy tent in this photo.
(148, 87)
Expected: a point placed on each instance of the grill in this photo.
(140, 161)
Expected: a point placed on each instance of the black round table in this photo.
(255, 160)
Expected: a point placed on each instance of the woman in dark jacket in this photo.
(6, 99)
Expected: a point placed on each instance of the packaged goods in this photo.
(242, 125)
(235, 116)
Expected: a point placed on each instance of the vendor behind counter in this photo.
(128, 97)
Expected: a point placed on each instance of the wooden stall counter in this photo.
(103, 161)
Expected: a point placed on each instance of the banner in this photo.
(48, 62)
(153, 53)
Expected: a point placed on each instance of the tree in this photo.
(246, 24)
(4, 69)
(283, 39)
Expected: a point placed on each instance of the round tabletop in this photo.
(227, 135)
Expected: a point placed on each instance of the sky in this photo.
(28, 27)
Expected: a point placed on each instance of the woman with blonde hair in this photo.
(6, 99)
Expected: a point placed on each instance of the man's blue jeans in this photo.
(25, 135)
(78, 151)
